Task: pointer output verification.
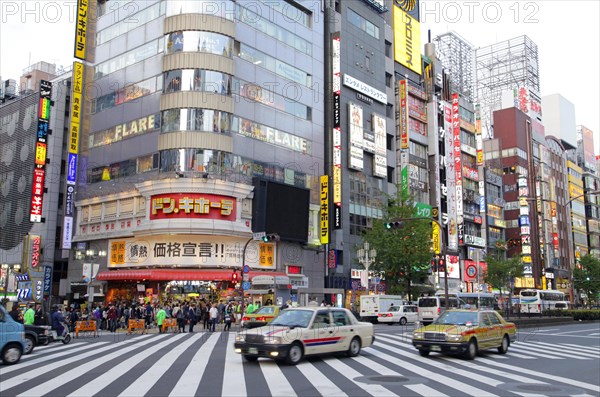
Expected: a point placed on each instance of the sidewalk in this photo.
(197, 328)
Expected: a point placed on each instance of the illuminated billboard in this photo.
(407, 40)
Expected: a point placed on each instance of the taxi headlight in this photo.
(417, 335)
(273, 340)
(454, 338)
(240, 338)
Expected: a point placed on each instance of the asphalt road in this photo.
(550, 361)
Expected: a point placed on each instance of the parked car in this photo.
(399, 315)
(465, 332)
(301, 331)
(262, 316)
(12, 338)
(35, 335)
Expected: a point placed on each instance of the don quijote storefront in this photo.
(177, 239)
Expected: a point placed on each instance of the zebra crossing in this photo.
(205, 364)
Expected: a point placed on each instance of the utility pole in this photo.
(366, 257)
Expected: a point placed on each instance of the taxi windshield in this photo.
(293, 318)
(265, 310)
(457, 318)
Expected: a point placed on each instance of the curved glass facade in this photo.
(194, 41)
(198, 80)
(196, 120)
(224, 9)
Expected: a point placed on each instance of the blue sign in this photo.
(246, 285)
(482, 204)
(524, 220)
(47, 280)
(246, 269)
(72, 169)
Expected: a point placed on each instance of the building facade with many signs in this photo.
(206, 121)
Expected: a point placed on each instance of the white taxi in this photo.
(399, 315)
(301, 331)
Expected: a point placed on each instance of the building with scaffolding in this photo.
(507, 72)
(458, 57)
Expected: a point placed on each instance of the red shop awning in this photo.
(176, 275)
(166, 275)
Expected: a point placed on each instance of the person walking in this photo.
(178, 314)
(148, 314)
(227, 326)
(191, 317)
(206, 315)
(112, 317)
(221, 308)
(160, 317)
(214, 315)
(29, 316)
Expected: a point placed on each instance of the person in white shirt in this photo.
(214, 314)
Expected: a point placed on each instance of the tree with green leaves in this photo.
(586, 278)
(501, 270)
(404, 251)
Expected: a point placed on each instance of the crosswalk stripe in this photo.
(533, 349)
(37, 349)
(235, 385)
(326, 386)
(32, 359)
(583, 351)
(190, 380)
(144, 383)
(24, 376)
(65, 377)
(460, 386)
(542, 375)
(350, 373)
(504, 374)
(473, 376)
(278, 383)
(425, 390)
(97, 384)
(594, 348)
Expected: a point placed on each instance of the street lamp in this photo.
(366, 257)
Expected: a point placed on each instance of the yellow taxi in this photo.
(464, 331)
(261, 317)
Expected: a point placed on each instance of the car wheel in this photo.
(11, 354)
(29, 344)
(471, 350)
(250, 358)
(503, 348)
(295, 353)
(423, 352)
(403, 321)
(354, 348)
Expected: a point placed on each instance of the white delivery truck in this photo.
(372, 305)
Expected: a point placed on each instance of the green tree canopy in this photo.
(403, 253)
(500, 270)
(586, 277)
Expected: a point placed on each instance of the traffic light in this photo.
(269, 238)
(394, 225)
(234, 277)
(441, 265)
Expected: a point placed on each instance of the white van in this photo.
(430, 307)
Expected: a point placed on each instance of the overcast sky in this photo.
(566, 32)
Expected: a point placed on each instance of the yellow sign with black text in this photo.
(81, 29)
(407, 40)
(324, 212)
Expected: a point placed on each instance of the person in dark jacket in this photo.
(192, 317)
(57, 321)
(16, 314)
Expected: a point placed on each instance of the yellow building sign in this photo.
(407, 40)
(324, 212)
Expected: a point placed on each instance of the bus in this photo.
(480, 300)
(538, 300)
